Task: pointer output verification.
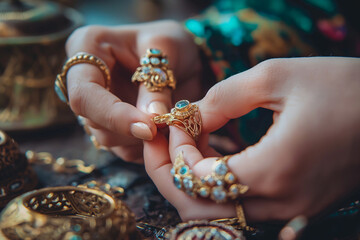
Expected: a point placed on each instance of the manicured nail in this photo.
(141, 130)
(158, 108)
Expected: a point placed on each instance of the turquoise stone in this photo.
(172, 171)
(76, 228)
(154, 61)
(144, 60)
(182, 104)
(183, 170)
(155, 51)
(218, 193)
(221, 169)
(177, 181)
(75, 237)
(188, 183)
(204, 192)
(164, 61)
(60, 94)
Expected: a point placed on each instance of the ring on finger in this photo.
(220, 186)
(81, 57)
(154, 72)
(185, 116)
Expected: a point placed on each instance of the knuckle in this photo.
(215, 94)
(88, 34)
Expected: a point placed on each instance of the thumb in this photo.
(260, 86)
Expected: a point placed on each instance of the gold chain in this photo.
(59, 165)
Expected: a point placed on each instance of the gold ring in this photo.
(81, 57)
(67, 213)
(185, 116)
(16, 175)
(219, 186)
(197, 230)
(154, 71)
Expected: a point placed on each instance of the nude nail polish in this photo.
(158, 108)
(141, 130)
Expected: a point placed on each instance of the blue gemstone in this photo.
(177, 182)
(75, 237)
(172, 171)
(60, 93)
(184, 170)
(76, 228)
(154, 61)
(144, 60)
(155, 51)
(164, 61)
(182, 103)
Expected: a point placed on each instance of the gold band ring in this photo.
(197, 230)
(154, 71)
(67, 213)
(185, 116)
(220, 186)
(81, 57)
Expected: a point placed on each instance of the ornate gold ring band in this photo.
(81, 57)
(220, 186)
(67, 213)
(185, 116)
(154, 71)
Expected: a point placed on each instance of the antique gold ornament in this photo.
(185, 116)
(154, 72)
(32, 46)
(67, 213)
(220, 186)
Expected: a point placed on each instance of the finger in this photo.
(93, 101)
(158, 166)
(157, 102)
(133, 154)
(260, 86)
(110, 139)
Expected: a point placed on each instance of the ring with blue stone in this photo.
(185, 116)
(154, 71)
(81, 57)
(220, 186)
(67, 212)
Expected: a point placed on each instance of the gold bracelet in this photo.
(67, 213)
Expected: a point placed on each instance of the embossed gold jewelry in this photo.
(199, 230)
(154, 71)
(185, 116)
(16, 175)
(67, 213)
(220, 186)
(81, 57)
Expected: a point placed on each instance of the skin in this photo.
(110, 114)
(307, 161)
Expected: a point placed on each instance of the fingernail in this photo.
(141, 130)
(157, 107)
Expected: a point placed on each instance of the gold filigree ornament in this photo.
(81, 57)
(199, 230)
(67, 213)
(185, 116)
(220, 186)
(154, 71)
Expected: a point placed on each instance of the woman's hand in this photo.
(120, 118)
(307, 161)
